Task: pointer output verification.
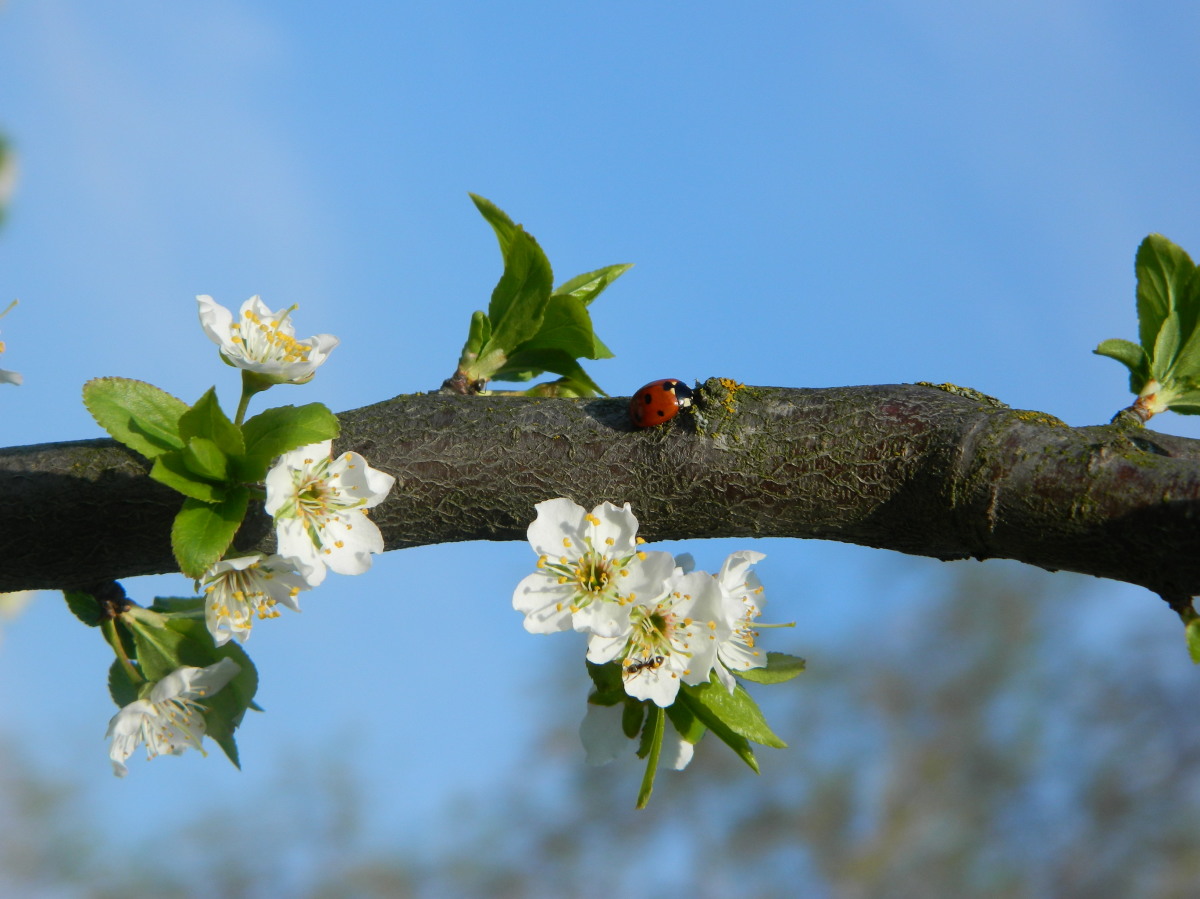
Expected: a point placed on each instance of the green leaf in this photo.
(610, 688)
(780, 667)
(203, 531)
(735, 710)
(532, 362)
(191, 606)
(157, 646)
(1163, 270)
(477, 336)
(172, 470)
(1166, 347)
(1132, 356)
(1192, 632)
(589, 285)
(650, 749)
(276, 431)
(84, 606)
(1126, 352)
(685, 721)
(1185, 403)
(135, 413)
(207, 420)
(520, 297)
(120, 687)
(566, 326)
(500, 222)
(723, 732)
(633, 714)
(204, 458)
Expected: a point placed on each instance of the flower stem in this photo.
(655, 722)
(113, 636)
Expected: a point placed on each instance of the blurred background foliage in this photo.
(999, 739)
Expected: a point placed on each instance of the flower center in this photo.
(593, 573)
(269, 340)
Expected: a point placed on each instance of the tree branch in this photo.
(931, 471)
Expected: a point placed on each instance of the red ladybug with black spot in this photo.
(658, 402)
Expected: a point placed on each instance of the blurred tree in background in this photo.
(991, 740)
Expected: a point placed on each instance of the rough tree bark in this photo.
(933, 471)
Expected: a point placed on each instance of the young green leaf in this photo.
(206, 419)
(780, 667)
(477, 336)
(203, 531)
(520, 297)
(157, 646)
(589, 285)
(179, 606)
(1128, 354)
(1166, 347)
(204, 458)
(685, 721)
(274, 432)
(533, 362)
(735, 710)
(566, 326)
(610, 689)
(120, 687)
(1163, 269)
(720, 729)
(172, 469)
(84, 606)
(633, 714)
(1192, 632)
(500, 222)
(136, 414)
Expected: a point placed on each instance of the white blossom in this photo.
(238, 590)
(264, 342)
(590, 569)
(742, 602)
(170, 718)
(320, 509)
(672, 639)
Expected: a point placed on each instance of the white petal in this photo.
(647, 578)
(604, 618)
(360, 480)
(557, 520)
(216, 321)
(293, 540)
(660, 685)
(617, 524)
(601, 734)
(676, 751)
(544, 603)
(603, 649)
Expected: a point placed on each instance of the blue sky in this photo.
(813, 195)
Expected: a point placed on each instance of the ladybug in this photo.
(659, 401)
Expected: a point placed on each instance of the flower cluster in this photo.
(651, 621)
(319, 504)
